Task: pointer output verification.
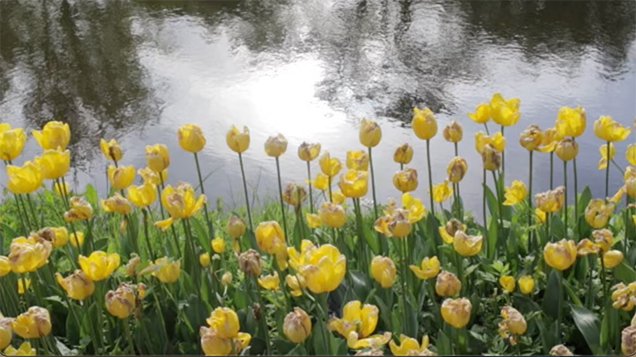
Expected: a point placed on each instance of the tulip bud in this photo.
(612, 258)
(77, 285)
(157, 157)
(453, 132)
(424, 123)
(297, 325)
(226, 279)
(628, 341)
(370, 133)
(238, 141)
(294, 195)
(383, 271)
(191, 138)
(531, 137)
(131, 266)
(34, 323)
(508, 283)
(308, 152)
(332, 215)
(456, 312)
(457, 169)
(357, 160)
(235, 227)
(111, 150)
(467, 245)
(567, 149)
(447, 284)
(560, 350)
(275, 146)
(121, 303)
(526, 284)
(560, 255)
(218, 245)
(6, 332)
(405, 180)
(204, 260)
(403, 154)
(491, 158)
(250, 262)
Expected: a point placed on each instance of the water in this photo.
(311, 69)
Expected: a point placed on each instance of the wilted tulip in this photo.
(456, 312)
(370, 133)
(308, 152)
(77, 285)
(332, 215)
(405, 180)
(117, 204)
(457, 169)
(357, 160)
(294, 194)
(122, 302)
(250, 262)
(453, 132)
(297, 325)
(598, 212)
(531, 137)
(34, 323)
(111, 150)
(275, 146)
(567, 149)
(447, 284)
(491, 158)
(403, 154)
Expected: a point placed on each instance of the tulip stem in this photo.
(247, 200)
(129, 336)
(560, 305)
(487, 130)
(330, 195)
(280, 195)
(565, 204)
(530, 211)
(607, 169)
(311, 195)
(483, 208)
(147, 235)
(375, 201)
(32, 209)
(205, 205)
(430, 175)
(576, 199)
(503, 156)
(26, 226)
(552, 170)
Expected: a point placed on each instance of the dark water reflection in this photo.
(309, 69)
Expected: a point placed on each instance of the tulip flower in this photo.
(354, 183)
(453, 132)
(121, 177)
(57, 236)
(5, 266)
(24, 179)
(396, 224)
(180, 202)
(25, 349)
(447, 284)
(624, 296)
(157, 157)
(598, 212)
(165, 269)
(447, 232)
(373, 342)
(630, 154)
(99, 265)
(526, 284)
(151, 177)
(567, 149)
(516, 193)
(250, 262)
(507, 283)
(34, 323)
(414, 207)
(356, 317)
(294, 195)
(77, 239)
(457, 169)
(428, 269)
(513, 324)
(313, 220)
(6, 332)
(531, 138)
(27, 255)
(425, 127)
(467, 245)
(204, 260)
(111, 150)
(117, 204)
(628, 340)
(222, 337)
(12, 142)
(218, 245)
(442, 191)
(497, 142)
(297, 326)
(551, 201)
(370, 133)
(383, 271)
(603, 151)
(270, 238)
(237, 140)
(607, 129)
(456, 312)
(332, 215)
(121, 302)
(410, 347)
(191, 138)
(405, 180)
(296, 284)
(142, 196)
(560, 255)
(80, 210)
(504, 112)
(54, 135)
(322, 268)
(481, 114)
(308, 152)
(270, 282)
(612, 258)
(560, 350)
(357, 160)
(491, 158)
(571, 122)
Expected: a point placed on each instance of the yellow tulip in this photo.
(628, 340)
(567, 149)
(313, 220)
(504, 112)
(238, 141)
(383, 271)
(5, 266)
(624, 296)
(143, 195)
(491, 158)
(250, 262)
(308, 152)
(117, 204)
(602, 164)
(507, 283)
(357, 160)
(630, 154)
(213, 345)
(54, 136)
(12, 142)
(512, 325)
(560, 255)
(456, 312)
(236, 227)
(403, 154)
(296, 284)
(447, 284)
(321, 182)
(549, 140)
(330, 166)
(354, 183)
(99, 265)
(58, 236)
(414, 207)
(356, 317)
(497, 142)
(373, 342)
(157, 157)
(457, 169)
(270, 282)
(23, 285)
(226, 279)
(630, 187)
(424, 123)
(77, 239)
(121, 177)
(586, 246)
(447, 232)
(516, 193)
(370, 133)
(122, 302)
(598, 212)
(612, 258)
(24, 179)
(34, 323)
(332, 215)
(27, 255)
(467, 245)
(111, 150)
(571, 121)
(531, 138)
(604, 238)
(6, 332)
(225, 322)
(275, 146)
(395, 224)
(323, 268)
(453, 132)
(151, 177)
(191, 138)
(607, 129)
(560, 350)
(294, 195)
(218, 245)
(405, 180)
(181, 201)
(551, 201)
(165, 269)
(297, 326)
(410, 347)
(270, 238)
(204, 260)
(481, 114)
(80, 210)
(25, 349)
(442, 191)
(428, 269)
(338, 198)
(526, 284)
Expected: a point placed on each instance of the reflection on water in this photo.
(309, 69)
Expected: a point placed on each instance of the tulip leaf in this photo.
(625, 273)
(587, 323)
(91, 195)
(584, 198)
(493, 204)
(552, 294)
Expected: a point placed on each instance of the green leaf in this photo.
(552, 295)
(587, 323)
(625, 273)
(493, 204)
(91, 195)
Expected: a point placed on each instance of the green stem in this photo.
(576, 200)
(24, 217)
(607, 170)
(456, 149)
(247, 200)
(483, 209)
(560, 305)
(565, 204)
(330, 194)
(32, 209)
(552, 170)
(530, 210)
(280, 195)
(375, 201)
(503, 156)
(205, 205)
(430, 175)
(311, 195)
(147, 235)
(129, 336)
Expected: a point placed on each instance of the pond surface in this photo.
(311, 69)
